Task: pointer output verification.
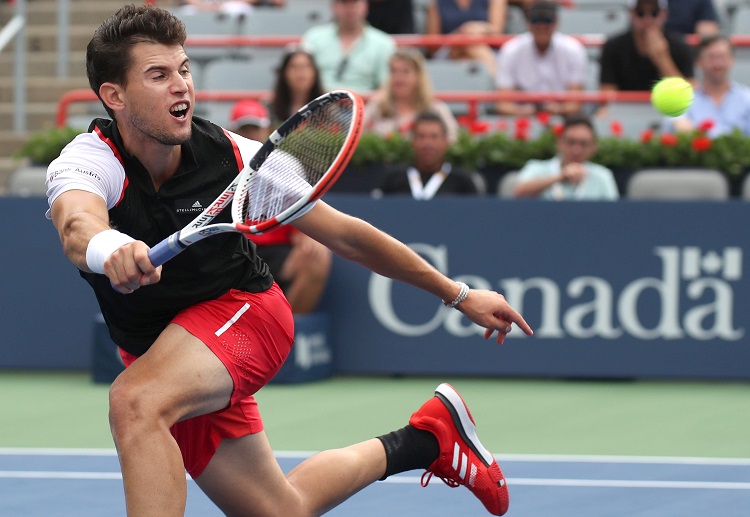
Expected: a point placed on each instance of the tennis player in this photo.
(202, 334)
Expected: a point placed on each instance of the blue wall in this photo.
(626, 289)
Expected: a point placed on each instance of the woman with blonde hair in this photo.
(406, 93)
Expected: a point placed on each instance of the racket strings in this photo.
(296, 166)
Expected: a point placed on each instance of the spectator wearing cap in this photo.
(541, 60)
(692, 17)
(639, 57)
(349, 52)
(249, 118)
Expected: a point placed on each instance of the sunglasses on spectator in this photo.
(536, 20)
(642, 13)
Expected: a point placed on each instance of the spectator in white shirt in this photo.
(541, 60)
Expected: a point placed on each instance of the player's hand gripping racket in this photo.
(298, 163)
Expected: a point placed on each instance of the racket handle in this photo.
(166, 250)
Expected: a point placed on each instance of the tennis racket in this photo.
(298, 163)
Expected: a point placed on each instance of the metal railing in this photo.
(16, 29)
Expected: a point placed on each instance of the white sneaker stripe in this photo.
(464, 465)
(456, 455)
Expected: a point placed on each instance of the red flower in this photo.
(543, 117)
(647, 136)
(523, 123)
(616, 128)
(521, 134)
(706, 125)
(557, 129)
(701, 143)
(668, 139)
(479, 127)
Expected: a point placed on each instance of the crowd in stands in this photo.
(352, 45)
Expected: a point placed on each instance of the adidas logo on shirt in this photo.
(185, 206)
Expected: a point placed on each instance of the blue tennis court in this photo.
(87, 483)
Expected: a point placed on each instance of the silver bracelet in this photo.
(462, 294)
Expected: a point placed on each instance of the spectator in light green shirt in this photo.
(350, 53)
(569, 175)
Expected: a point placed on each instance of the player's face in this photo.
(430, 143)
(403, 77)
(576, 144)
(716, 61)
(300, 73)
(158, 98)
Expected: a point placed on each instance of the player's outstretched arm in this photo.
(81, 216)
(359, 241)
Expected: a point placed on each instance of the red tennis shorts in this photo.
(252, 334)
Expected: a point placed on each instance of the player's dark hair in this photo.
(430, 116)
(282, 94)
(108, 56)
(578, 119)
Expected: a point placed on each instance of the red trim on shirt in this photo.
(116, 152)
(237, 154)
(110, 143)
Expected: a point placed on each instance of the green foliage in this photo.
(729, 153)
(43, 147)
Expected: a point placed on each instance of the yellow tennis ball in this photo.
(672, 96)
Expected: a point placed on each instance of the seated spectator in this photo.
(638, 58)
(297, 83)
(541, 60)
(720, 103)
(569, 175)
(406, 93)
(298, 263)
(692, 17)
(250, 119)
(392, 16)
(469, 18)
(430, 174)
(348, 51)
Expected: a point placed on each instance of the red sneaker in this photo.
(463, 459)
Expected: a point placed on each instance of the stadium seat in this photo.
(746, 188)
(28, 181)
(593, 19)
(282, 22)
(459, 76)
(634, 117)
(507, 185)
(678, 184)
(208, 24)
(254, 74)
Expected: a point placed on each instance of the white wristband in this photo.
(102, 246)
(462, 294)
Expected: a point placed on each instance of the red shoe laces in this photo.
(448, 481)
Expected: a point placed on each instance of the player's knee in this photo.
(129, 409)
